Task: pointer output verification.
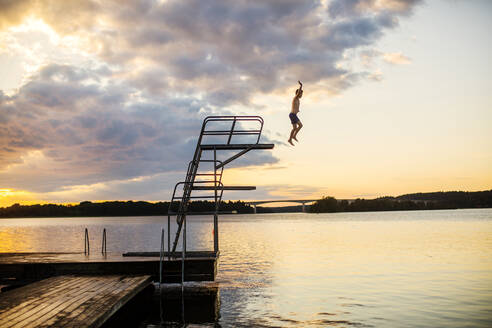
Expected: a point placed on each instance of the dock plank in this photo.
(29, 296)
(69, 301)
(62, 317)
(81, 312)
(65, 307)
(60, 303)
(45, 303)
(119, 295)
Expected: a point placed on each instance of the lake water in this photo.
(372, 269)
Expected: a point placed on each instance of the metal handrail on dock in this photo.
(87, 249)
(86, 242)
(103, 243)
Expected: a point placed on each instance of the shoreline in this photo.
(262, 213)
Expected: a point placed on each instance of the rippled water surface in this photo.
(374, 269)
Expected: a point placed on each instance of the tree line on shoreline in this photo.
(418, 201)
(115, 208)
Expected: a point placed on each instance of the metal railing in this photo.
(87, 248)
(86, 242)
(232, 131)
(103, 243)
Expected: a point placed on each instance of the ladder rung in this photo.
(206, 160)
(224, 188)
(203, 197)
(236, 146)
(228, 132)
(204, 181)
(208, 174)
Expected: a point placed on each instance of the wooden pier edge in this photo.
(69, 301)
(22, 268)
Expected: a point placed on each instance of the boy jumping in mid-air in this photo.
(296, 123)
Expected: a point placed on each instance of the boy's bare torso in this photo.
(295, 105)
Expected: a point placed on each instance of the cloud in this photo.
(396, 58)
(367, 56)
(59, 131)
(375, 76)
(12, 12)
(347, 8)
(199, 46)
(125, 93)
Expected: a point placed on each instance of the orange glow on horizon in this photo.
(9, 197)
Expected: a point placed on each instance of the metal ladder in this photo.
(225, 141)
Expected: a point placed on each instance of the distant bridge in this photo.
(254, 203)
(299, 201)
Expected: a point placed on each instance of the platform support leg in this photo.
(216, 233)
(254, 208)
(168, 237)
(303, 207)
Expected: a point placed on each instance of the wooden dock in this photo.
(69, 301)
(22, 268)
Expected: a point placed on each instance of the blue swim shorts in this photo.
(293, 118)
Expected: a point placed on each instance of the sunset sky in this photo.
(103, 100)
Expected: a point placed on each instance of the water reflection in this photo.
(394, 269)
(124, 234)
(371, 269)
(198, 305)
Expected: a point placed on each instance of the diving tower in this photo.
(222, 140)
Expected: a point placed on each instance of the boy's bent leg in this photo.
(292, 134)
(299, 126)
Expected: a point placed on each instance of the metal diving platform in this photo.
(222, 140)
